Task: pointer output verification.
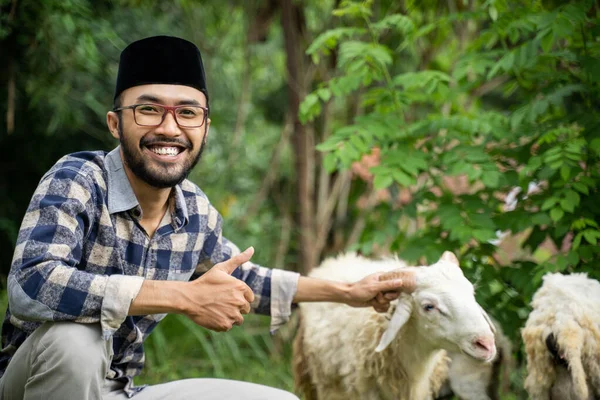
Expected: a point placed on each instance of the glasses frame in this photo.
(171, 109)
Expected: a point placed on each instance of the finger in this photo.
(391, 285)
(380, 298)
(238, 320)
(230, 265)
(248, 294)
(245, 309)
(381, 308)
(391, 295)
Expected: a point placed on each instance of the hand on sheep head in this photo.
(373, 292)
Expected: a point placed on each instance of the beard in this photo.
(153, 172)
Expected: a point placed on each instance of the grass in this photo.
(179, 349)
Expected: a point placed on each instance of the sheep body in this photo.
(565, 319)
(334, 354)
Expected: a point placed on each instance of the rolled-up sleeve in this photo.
(120, 292)
(284, 285)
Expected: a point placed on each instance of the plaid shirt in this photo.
(82, 256)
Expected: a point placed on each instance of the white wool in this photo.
(350, 267)
(568, 307)
(335, 349)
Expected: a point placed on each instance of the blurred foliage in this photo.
(494, 94)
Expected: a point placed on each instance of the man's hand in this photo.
(217, 300)
(370, 291)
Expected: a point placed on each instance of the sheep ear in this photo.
(488, 320)
(449, 256)
(401, 315)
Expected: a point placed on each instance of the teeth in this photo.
(165, 151)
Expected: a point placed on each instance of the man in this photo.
(112, 242)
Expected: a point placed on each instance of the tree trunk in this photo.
(302, 140)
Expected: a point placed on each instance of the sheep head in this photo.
(441, 301)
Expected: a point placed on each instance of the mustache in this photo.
(154, 140)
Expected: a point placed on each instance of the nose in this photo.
(485, 344)
(169, 126)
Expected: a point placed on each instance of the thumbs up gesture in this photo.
(217, 300)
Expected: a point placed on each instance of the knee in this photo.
(73, 346)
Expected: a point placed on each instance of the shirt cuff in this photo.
(119, 293)
(284, 285)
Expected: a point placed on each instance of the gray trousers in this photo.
(69, 361)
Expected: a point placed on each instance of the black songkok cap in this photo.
(161, 60)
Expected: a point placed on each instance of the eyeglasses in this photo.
(154, 114)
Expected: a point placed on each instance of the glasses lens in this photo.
(190, 116)
(149, 114)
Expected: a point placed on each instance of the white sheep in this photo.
(470, 379)
(562, 339)
(355, 353)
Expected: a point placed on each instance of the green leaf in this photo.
(541, 218)
(493, 13)
(565, 172)
(402, 178)
(330, 162)
(400, 22)
(567, 205)
(491, 179)
(573, 258)
(382, 181)
(549, 203)
(309, 108)
(591, 236)
(595, 146)
(556, 214)
(581, 188)
(332, 143)
(577, 240)
(483, 235)
(352, 9)
(572, 197)
(324, 94)
(325, 42)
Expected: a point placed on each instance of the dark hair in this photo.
(118, 102)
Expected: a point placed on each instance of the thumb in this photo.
(230, 265)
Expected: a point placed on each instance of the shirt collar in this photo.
(122, 198)
(120, 194)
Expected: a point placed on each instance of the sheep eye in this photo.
(428, 307)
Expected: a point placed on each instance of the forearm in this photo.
(158, 297)
(76, 295)
(312, 289)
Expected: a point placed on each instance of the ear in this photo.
(449, 256)
(112, 120)
(401, 315)
(206, 131)
(488, 320)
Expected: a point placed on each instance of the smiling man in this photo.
(112, 242)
